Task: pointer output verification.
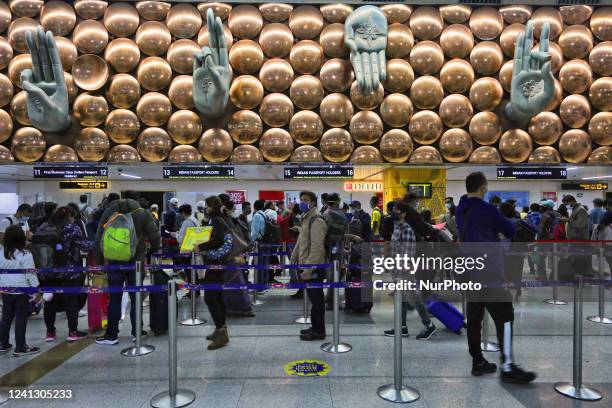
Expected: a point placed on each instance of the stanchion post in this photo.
(139, 349)
(193, 320)
(255, 301)
(463, 303)
(304, 319)
(576, 389)
(335, 346)
(601, 309)
(555, 272)
(485, 344)
(175, 397)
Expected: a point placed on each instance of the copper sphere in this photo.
(121, 19)
(426, 22)
(456, 13)
(575, 146)
(6, 53)
(337, 75)
(306, 154)
(306, 57)
(366, 127)
(485, 128)
(399, 41)
(6, 155)
(336, 145)
(184, 154)
(71, 87)
(245, 21)
(123, 91)
(90, 9)
(545, 128)
(123, 154)
(486, 58)
(16, 67)
(396, 110)
(426, 57)
(576, 76)
(515, 13)
(276, 110)
(557, 98)
(122, 54)
(276, 40)
(399, 76)
(485, 155)
(306, 22)
(425, 127)
(336, 13)
(425, 155)
(426, 92)
(90, 37)
(505, 75)
(215, 145)
(19, 109)
(153, 10)
(366, 155)
(600, 128)
(67, 51)
(221, 10)
(245, 127)
(180, 92)
(5, 16)
(183, 20)
(184, 127)
(600, 58)
(89, 72)
(600, 94)
(154, 73)
(575, 111)
(154, 144)
(153, 38)
(396, 146)
(336, 110)
(601, 155)
(154, 109)
(576, 42)
(16, 33)
(275, 12)
(203, 36)
(89, 109)
(366, 101)
(545, 155)
(26, 8)
(549, 15)
(246, 92)
(276, 145)
(306, 92)
(486, 23)
(396, 13)
(28, 144)
(60, 154)
(246, 57)
(486, 94)
(556, 56)
(57, 17)
(507, 40)
(515, 146)
(276, 75)
(457, 76)
(122, 126)
(456, 145)
(6, 126)
(457, 41)
(600, 23)
(306, 127)
(180, 55)
(246, 154)
(332, 41)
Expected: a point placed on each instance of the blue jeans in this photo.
(117, 279)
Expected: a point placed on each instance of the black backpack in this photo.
(272, 234)
(44, 249)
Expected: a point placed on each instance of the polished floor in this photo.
(249, 371)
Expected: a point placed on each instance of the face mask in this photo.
(304, 207)
(24, 219)
(234, 214)
(395, 217)
(448, 206)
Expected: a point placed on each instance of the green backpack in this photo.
(119, 238)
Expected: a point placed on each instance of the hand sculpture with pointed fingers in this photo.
(212, 73)
(533, 84)
(365, 34)
(47, 101)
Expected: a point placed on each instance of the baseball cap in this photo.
(200, 204)
(548, 203)
(355, 203)
(173, 201)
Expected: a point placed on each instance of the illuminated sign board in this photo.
(198, 172)
(321, 172)
(70, 172)
(532, 173)
(357, 186)
(83, 185)
(584, 186)
(422, 190)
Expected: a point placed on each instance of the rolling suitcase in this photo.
(97, 305)
(448, 314)
(158, 304)
(353, 298)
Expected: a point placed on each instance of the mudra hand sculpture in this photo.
(211, 71)
(365, 34)
(533, 84)
(47, 101)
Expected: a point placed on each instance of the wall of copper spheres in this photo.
(293, 98)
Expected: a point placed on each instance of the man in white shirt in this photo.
(21, 217)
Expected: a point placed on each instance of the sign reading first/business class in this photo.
(70, 172)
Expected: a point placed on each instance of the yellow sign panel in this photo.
(356, 186)
(195, 236)
(83, 185)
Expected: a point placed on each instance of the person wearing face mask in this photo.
(578, 223)
(21, 218)
(189, 221)
(200, 213)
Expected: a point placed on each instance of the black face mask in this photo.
(395, 216)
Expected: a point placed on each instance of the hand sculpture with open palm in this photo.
(47, 101)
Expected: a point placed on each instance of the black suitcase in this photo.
(158, 305)
(354, 302)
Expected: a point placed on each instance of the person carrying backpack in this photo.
(337, 227)
(377, 216)
(265, 233)
(387, 224)
(120, 239)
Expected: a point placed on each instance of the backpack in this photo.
(386, 227)
(337, 225)
(119, 238)
(533, 218)
(524, 232)
(272, 234)
(366, 225)
(558, 229)
(355, 226)
(239, 243)
(44, 247)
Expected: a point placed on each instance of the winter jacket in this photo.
(578, 225)
(547, 221)
(23, 260)
(310, 245)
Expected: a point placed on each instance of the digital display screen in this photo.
(70, 172)
(422, 190)
(584, 186)
(532, 173)
(321, 172)
(198, 172)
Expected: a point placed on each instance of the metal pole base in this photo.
(192, 322)
(403, 396)
(599, 319)
(303, 320)
(555, 302)
(137, 351)
(258, 303)
(583, 393)
(489, 346)
(182, 398)
(336, 349)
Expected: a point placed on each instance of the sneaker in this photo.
(144, 333)
(483, 367)
(106, 341)
(517, 375)
(391, 333)
(427, 332)
(248, 313)
(313, 335)
(298, 295)
(50, 337)
(6, 348)
(26, 351)
(82, 313)
(76, 335)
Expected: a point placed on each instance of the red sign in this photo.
(549, 195)
(237, 196)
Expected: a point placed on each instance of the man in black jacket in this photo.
(421, 228)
